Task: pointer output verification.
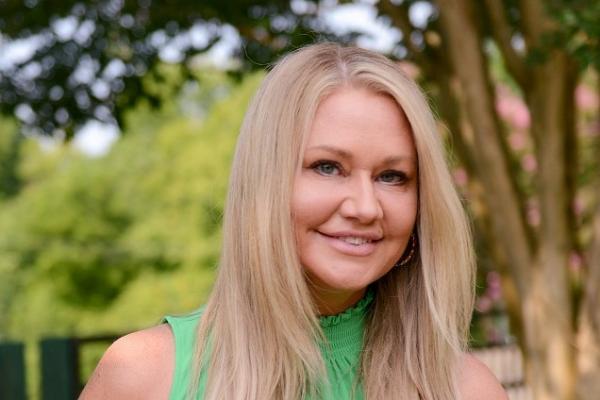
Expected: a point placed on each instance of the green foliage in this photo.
(148, 211)
(117, 44)
(10, 149)
(578, 31)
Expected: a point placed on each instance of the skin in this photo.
(358, 179)
(359, 195)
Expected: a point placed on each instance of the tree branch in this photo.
(503, 37)
(500, 190)
(535, 22)
(570, 152)
(451, 106)
(591, 300)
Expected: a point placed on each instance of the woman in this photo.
(347, 264)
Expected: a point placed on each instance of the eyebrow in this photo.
(344, 154)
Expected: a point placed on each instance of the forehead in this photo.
(359, 119)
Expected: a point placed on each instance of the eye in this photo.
(393, 177)
(326, 168)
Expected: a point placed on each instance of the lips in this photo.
(366, 236)
(353, 244)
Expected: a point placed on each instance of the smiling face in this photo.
(354, 203)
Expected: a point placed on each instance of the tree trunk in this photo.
(538, 261)
(500, 192)
(588, 340)
(550, 341)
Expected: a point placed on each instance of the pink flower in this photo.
(460, 176)
(517, 140)
(520, 117)
(494, 287)
(533, 215)
(585, 98)
(575, 262)
(503, 107)
(512, 109)
(493, 279)
(578, 206)
(529, 163)
(483, 304)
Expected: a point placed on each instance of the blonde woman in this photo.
(347, 265)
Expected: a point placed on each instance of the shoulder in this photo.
(137, 366)
(476, 381)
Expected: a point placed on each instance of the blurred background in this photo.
(117, 125)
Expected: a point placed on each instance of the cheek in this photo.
(401, 214)
(312, 204)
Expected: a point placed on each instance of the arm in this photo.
(137, 366)
(476, 381)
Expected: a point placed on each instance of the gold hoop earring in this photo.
(408, 253)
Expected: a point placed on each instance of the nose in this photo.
(360, 201)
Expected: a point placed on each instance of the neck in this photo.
(331, 302)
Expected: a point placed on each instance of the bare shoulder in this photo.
(477, 382)
(137, 366)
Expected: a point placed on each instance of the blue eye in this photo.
(393, 177)
(327, 168)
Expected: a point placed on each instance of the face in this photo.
(354, 203)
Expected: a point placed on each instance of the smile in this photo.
(352, 245)
(353, 240)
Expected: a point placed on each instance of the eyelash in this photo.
(317, 165)
(399, 177)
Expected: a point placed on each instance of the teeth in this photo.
(354, 240)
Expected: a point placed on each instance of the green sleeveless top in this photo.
(341, 354)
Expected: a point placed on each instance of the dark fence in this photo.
(12, 371)
(59, 364)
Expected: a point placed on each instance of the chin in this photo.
(340, 285)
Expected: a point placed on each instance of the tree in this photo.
(10, 144)
(91, 226)
(89, 58)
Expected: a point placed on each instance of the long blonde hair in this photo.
(257, 337)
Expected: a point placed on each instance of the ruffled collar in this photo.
(344, 331)
(357, 311)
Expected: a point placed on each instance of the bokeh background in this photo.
(117, 125)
